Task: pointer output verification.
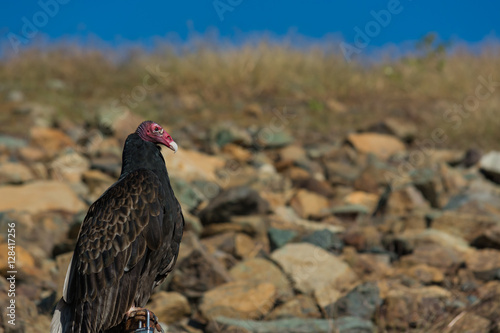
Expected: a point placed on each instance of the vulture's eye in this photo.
(156, 129)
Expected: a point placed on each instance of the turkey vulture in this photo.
(128, 242)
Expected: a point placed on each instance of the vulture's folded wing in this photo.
(120, 228)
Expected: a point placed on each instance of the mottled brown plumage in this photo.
(127, 245)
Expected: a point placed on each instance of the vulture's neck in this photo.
(140, 154)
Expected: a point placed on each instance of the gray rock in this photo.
(292, 325)
(185, 193)
(12, 142)
(279, 237)
(324, 239)
(239, 200)
(267, 138)
(362, 302)
(230, 134)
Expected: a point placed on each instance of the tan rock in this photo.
(40, 196)
(413, 307)
(259, 270)
(466, 226)
(69, 167)
(363, 237)
(292, 153)
(470, 322)
(382, 145)
(244, 246)
(97, 182)
(369, 200)
(190, 164)
(404, 200)
(237, 152)
(434, 255)
(483, 260)
(51, 140)
(312, 269)
(426, 274)
(302, 306)
(31, 154)
(253, 109)
(14, 173)
(169, 307)
(238, 299)
(307, 203)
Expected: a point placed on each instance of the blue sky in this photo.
(117, 22)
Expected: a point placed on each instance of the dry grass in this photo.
(208, 84)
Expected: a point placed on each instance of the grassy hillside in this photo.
(207, 84)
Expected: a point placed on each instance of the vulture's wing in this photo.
(121, 229)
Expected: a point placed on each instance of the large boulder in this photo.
(40, 196)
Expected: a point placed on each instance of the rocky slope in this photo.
(375, 232)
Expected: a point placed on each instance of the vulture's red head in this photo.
(152, 132)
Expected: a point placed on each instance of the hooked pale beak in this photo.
(172, 145)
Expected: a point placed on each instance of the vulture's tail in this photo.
(62, 318)
(67, 320)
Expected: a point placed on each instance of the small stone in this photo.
(259, 270)
(237, 152)
(97, 181)
(381, 145)
(369, 200)
(14, 173)
(301, 306)
(413, 308)
(253, 109)
(238, 299)
(485, 264)
(426, 274)
(466, 226)
(308, 204)
(362, 302)
(312, 268)
(292, 154)
(269, 138)
(489, 238)
(436, 256)
(324, 239)
(69, 166)
(278, 237)
(169, 307)
(244, 246)
(400, 128)
(228, 133)
(289, 325)
(471, 323)
(51, 140)
(185, 193)
(239, 200)
(12, 143)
